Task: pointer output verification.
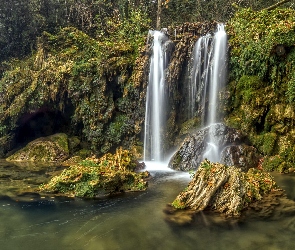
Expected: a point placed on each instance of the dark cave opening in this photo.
(43, 122)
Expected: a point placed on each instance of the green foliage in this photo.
(95, 76)
(255, 40)
(258, 184)
(54, 148)
(111, 173)
(178, 204)
(262, 88)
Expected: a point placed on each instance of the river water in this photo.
(129, 221)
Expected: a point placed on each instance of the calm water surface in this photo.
(131, 221)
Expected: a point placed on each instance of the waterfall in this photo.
(208, 75)
(199, 78)
(218, 72)
(155, 100)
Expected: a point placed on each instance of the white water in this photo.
(217, 80)
(155, 103)
(218, 71)
(208, 76)
(199, 77)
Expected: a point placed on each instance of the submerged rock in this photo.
(225, 189)
(230, 142)
(54, 148)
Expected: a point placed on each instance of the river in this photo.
(128, 221)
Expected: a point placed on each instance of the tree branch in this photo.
(272, 7)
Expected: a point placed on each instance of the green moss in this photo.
(178, 204)
(255, 36)
(53, 148)
(262, 81)
(109, 174)
(266, 143)
(189, 125)
(71, 69)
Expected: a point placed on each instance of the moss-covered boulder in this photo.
(54, 148)
(94, 177)
(225, 189)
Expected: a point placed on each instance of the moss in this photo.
(266, 143)
(178, 204)
(224, 189)
(72, 71)
(189, 125)
(53, 148)
(262, 81)
(93, 176)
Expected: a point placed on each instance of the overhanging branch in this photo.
(272, 7)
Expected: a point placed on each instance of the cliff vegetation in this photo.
(262, 87)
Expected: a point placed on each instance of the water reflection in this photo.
(132, 221)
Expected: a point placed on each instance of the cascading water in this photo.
(155, 100)
(199, 77)
(208, 75)
(218, 71)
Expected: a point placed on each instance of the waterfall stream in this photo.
(155, 100)
(207, 76)
(217, 80)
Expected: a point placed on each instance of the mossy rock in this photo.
(94, 177)
(225, 189)
(77, 157)
(54, 148)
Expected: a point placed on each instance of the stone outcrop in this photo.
(225, 189)
(54, 148)
(243, 156)
(230, 142)
(96, 177)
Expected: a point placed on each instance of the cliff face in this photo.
(261, 91)
(93, 89)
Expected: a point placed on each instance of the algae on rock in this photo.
(225, 189)
(54, 148)
(93, 177)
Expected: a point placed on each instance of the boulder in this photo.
(53, 148)
(96, 177)
(224, 189)
(242, 156)
(226, 139)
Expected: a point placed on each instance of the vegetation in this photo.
(225, 189)
(109, 174)
(54, 148)
(262, 88)
(93, 82)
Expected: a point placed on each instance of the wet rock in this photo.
(180, 217)
(95, 177)
(190, 154)
(54, 148)
(224, 189)
(242, 156)
(274, 205)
